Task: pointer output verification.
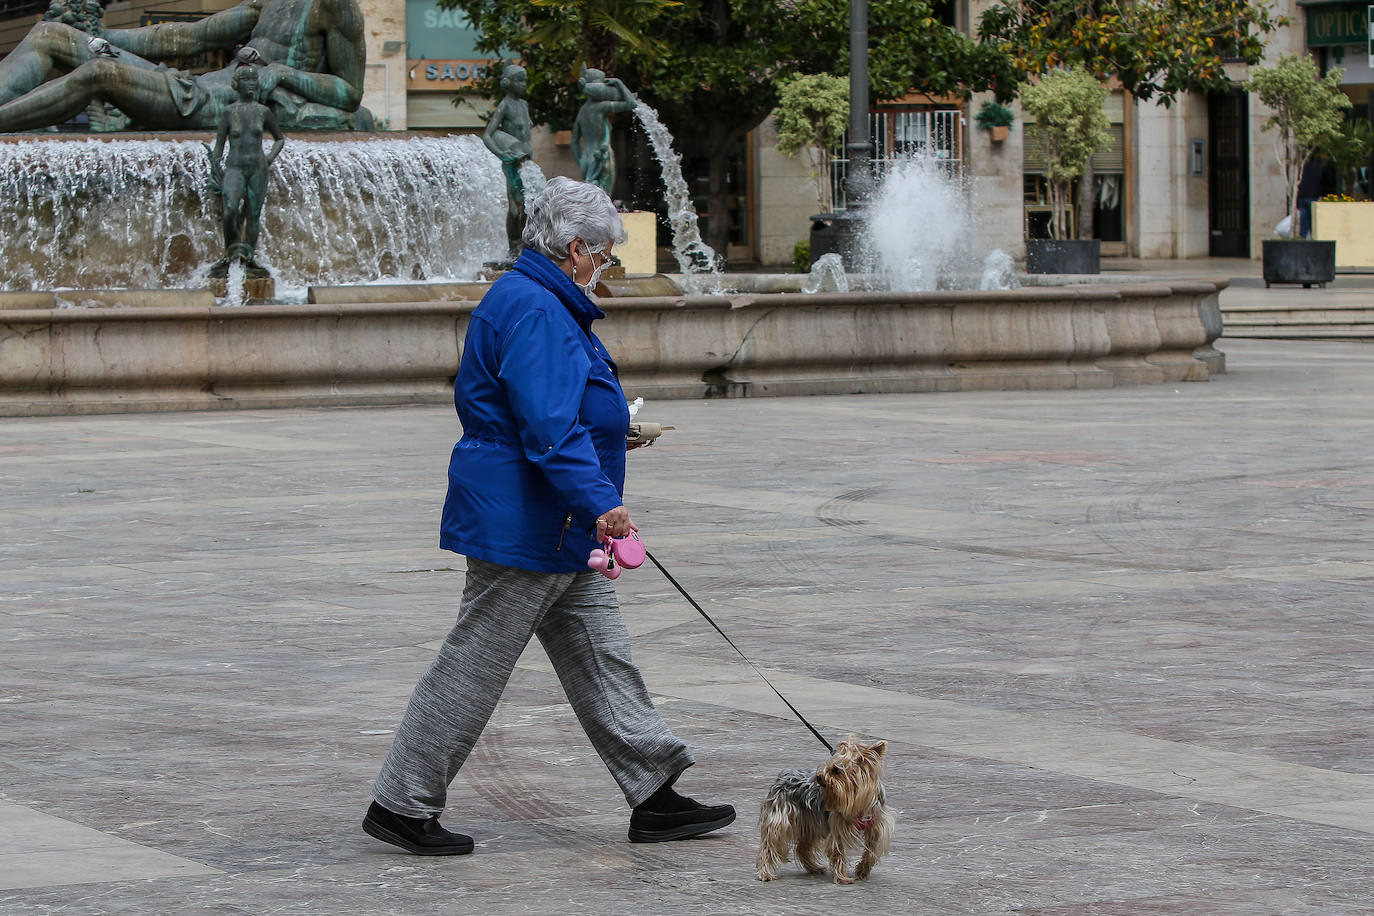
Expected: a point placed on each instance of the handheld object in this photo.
(644, 433)
(617, 554)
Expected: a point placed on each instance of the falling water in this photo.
(234, 284)
(532, 177)
(920, 234)
(695, 259)
(135, 213)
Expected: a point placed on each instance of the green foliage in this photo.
(812, 115)
(601, 27)
(1156, 48)
(812, 111)
(1349, 150)
(1307, 112)
(1067, 106)
(801, 256)
(994, 115)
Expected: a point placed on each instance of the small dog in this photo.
(842, 804)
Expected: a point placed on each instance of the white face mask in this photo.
(596, 272)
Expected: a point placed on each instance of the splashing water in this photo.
(919, 233)
(532, 177)
(696, 260)
(136, 213)
(234, 285)
(827, 267)
(999, 271)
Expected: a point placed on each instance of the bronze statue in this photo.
(87, 15)
(313, 78)
(591, 133)
(79, 14)
(508, 136)
(241, 179)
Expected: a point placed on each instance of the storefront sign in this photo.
(438, 34)
(1337, 24)
(443, 75)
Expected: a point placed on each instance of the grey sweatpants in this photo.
(577, 619)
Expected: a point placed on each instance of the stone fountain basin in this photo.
(331, 352)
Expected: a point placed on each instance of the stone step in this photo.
(1303, 332)
(1358, 315)
(1325, 321)
(1296, 318)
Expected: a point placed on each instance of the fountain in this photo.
(135, 213)
(89, 215)
(357, 212)
(919, 232)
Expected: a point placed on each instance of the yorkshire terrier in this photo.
(841, 804)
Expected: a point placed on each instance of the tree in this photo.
(1307, 113)
(1156, 48)
(1349, 152)
(812, 115)
(711, 68)
(600, 27)
(1067, 105)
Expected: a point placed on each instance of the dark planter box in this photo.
(1063, 256)
(838, 233)
(1305, 261)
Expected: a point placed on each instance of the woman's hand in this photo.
(615, 524)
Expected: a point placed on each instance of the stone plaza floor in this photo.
(1121, 643)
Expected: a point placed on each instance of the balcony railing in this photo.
(902, 134)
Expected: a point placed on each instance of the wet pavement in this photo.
(1120, 643)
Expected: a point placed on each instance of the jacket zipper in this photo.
(567, 522)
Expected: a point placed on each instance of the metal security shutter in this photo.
(1111, 158)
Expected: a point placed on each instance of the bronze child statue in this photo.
(508, 136)
(241, 179)
(591, 133)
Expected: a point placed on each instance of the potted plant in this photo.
(1072, 124)
(996, 119)
(1307, 113)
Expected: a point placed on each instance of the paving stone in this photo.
(1120, 643)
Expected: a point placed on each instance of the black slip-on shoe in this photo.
(662, 826)
(420, 835)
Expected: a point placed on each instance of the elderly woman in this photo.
(535, 484)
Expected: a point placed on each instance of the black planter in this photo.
(838, 233)
(1063, 256)
(1305, 261)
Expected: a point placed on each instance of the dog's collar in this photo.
(865, 820)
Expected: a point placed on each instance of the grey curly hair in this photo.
(568, 210)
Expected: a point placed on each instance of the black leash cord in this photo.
(690, 600)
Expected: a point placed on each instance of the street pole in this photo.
(859, 175)
(842, 232)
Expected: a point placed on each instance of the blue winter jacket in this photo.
(544, 420)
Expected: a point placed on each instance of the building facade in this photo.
(1195, 179)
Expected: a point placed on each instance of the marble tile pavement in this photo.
(1121, 643)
